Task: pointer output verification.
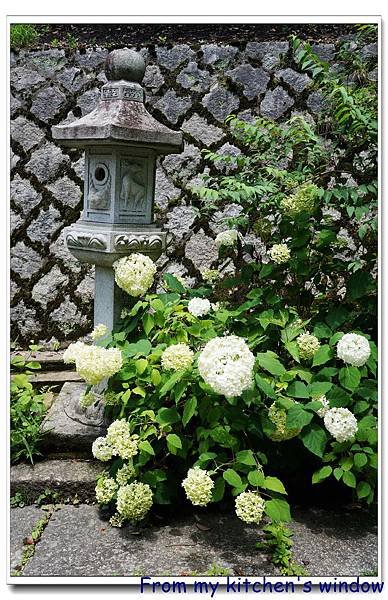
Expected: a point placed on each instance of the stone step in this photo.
(50, 361)
(54, 378)
(70, 428)
(67, 477)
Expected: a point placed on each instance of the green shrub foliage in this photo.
(299, 275)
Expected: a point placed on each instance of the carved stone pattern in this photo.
(86, 240)
(132, 188)
(109, 93)
(139, 242)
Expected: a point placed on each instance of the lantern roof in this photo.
(120, 117)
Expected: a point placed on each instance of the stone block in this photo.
(173, 106)
(45, 225)
(22, 521)
(253, 81)
(171, 58)
(275, 103)
(180, 219)
(25, 261)
(194, 79)
(220, 103)
(24, 195)
(297, 81)
(26, 133)
(47, 103)
(201, 250)
(202, 131)
(217, 55)
(48, 287)
(70, 428)
(67, 477)
(47, 162)
(66, 191)
(23, 79)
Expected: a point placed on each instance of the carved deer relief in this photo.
(99, 187)
(132, 190)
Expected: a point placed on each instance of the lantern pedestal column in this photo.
(101, 245)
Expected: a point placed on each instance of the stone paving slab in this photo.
(68, 426)
(79, 542)
(21, 524)
(342, 543)
(67, 477)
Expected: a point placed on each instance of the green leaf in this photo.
(349, 479)
(246, 457)
(292, 348)
(141, 365)
(314, 439)
(156, 377)
(189, 410)
(218, 489)
(360, 460)
(278, 510)
(322, 355)
(167, 416)
(297, 389)
(139, 391)
(174, 442)
(363, 489)
(297, 417)
(322, 474)
(142, 348)
(359, 284)
(146, 447)
(350, 377)
(319, 388)
(33, 365)
(232, 478)
(148, 323)
(274, 484)
(269, 362)
(256, 478)
(265, 387)
(338, 473)
(173, 283)
(170, 383)
(321, 330)
(336, 317)
(338, 397)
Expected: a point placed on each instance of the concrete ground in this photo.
(78, 541)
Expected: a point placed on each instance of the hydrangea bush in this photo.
(206, 385)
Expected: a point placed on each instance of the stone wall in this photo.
(192, 87)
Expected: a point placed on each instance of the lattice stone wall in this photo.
(189, 87)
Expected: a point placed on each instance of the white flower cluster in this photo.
(278, 417)
(118, 442)
(93, 363)
(226, 238)
(101, 449)
(134, 501)
(226, 364)
(125, 474)
(302, 200)
(250, 507)
(99, 331)
(199, 307)
(177, 357)
(210, 275)
(280, 253)
(198, 486)
(341, 423)
(116, 520)
(120, 439)
(105, 490)
(321, 412)
(308, 344)
(134, 274)
(353, 349)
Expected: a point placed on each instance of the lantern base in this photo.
(102, 244)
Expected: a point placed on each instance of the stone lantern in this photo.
(121, 141)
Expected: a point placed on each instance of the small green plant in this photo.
(278, 541)
(54, 43)
(29, 544)
(27, 412)
(22, 35)
(48, 496)
(18, 500)
(72, 41)
(218, 571)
